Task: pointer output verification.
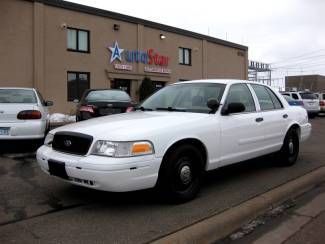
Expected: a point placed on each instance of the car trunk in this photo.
(105, 108)
(310, 101)
(9, 111)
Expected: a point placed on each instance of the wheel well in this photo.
(295, 127)
(191, 141)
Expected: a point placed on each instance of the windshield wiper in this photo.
(143, 108)
(171, 109)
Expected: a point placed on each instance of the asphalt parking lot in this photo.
(38, 208)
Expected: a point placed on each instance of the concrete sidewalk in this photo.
(305, 223)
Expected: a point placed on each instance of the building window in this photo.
(78, 82)
(78, 40)
(184, 56)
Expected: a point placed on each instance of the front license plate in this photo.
(4, 131)
(58, 169)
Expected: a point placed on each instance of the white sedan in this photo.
(178, 133)
(23, 114)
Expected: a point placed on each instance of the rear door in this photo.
(274, 118)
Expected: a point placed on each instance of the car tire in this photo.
(312, 116)
(290, 148)
(180, 174)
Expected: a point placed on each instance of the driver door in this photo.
(241, 133)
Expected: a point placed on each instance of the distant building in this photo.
(303, 82)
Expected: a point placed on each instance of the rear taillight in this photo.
(321, 103)
(129, 109)
(29, 114)
(87, 108)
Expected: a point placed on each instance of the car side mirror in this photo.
(213, 104)
(49, 103)
(76, 100)
(232, 108)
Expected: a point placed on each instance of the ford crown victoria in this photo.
(174, 136)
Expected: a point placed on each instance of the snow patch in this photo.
(62, 118)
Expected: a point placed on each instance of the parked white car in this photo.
(23, 114)
(309, 100)
(178, 133)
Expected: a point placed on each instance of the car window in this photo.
(17, 96)
(188, 97)
(307, 95)
(240, 93)
(264, 98)
(324, 96)
(107, 95)
(287, 94)
(276, 102)
(295, 96)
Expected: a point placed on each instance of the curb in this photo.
(222, 224)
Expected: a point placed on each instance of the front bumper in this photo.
(105, 173)
(305, 131)
(31, 129)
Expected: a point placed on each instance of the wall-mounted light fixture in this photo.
(162, 36)
(63, 25)
(116, 27)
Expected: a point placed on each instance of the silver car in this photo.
(23, 114)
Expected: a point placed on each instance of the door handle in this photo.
(285, 116)
(259, 119)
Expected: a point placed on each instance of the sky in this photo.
(288, 34)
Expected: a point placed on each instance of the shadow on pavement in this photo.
(19, 146)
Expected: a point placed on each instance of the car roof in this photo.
(219, 81)
(18, 88)
(105, 89)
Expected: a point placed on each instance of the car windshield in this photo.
(307, 95)
(17, 96)
(187, 97)
(107, 95)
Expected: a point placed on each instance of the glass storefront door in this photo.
(122, 84)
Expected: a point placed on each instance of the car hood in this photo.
(133, 126)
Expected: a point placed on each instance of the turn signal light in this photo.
(141, 148)
(29, 114)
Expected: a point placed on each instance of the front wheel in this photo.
(290, 148)
(180, 173)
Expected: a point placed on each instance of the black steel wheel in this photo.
(180, 173)
(290, 148)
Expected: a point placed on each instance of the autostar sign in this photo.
(148, 57)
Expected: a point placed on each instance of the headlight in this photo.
(48, 140)
(122, 149)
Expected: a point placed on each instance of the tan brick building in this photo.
(62, 48)
(315, 83)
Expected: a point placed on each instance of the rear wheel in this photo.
(290, 148)
(180, 174)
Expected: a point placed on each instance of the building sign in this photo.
(161, 70)
(259, 66)
(150, 58)
(123, 67)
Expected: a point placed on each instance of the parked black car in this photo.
(101, 102)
